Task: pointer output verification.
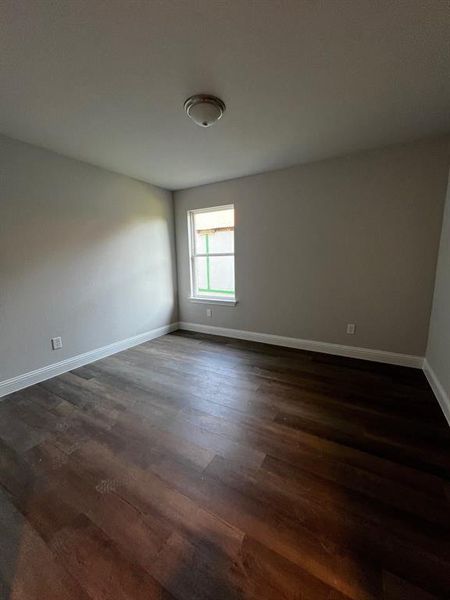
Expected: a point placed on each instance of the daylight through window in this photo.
(211, 240)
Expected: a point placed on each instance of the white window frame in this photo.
(192, 256)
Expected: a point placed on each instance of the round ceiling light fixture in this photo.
(204, 109)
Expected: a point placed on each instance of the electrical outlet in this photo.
(209, 312)
(56, 343)
(351, 328)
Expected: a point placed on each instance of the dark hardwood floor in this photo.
(196, 467)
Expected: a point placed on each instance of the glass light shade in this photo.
(204, 110)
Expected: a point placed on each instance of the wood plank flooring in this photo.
(195, 467)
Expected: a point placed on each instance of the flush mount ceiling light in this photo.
(204, 109)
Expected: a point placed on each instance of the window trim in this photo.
(212, 300)
(231, 301)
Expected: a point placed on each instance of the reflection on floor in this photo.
(197, 467)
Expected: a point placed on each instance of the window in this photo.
(211, 246)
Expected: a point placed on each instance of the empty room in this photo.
(224, 300)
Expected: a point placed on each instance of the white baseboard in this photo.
(8, 386)
(14, 384)
(439, 392)
(406, 360)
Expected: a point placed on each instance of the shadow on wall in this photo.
(91, 279)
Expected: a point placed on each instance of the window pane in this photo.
(200, 242)
(201, 274)
(221, 241)
(215, 276)
(214, 232)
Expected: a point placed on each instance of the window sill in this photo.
(219, 301)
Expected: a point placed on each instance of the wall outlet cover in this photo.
(351, 328)
(56, 343)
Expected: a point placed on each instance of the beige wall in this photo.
(438, 350)
(89, 255)
(347, 240)
(84, 254)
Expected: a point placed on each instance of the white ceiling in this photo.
(105, 80)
